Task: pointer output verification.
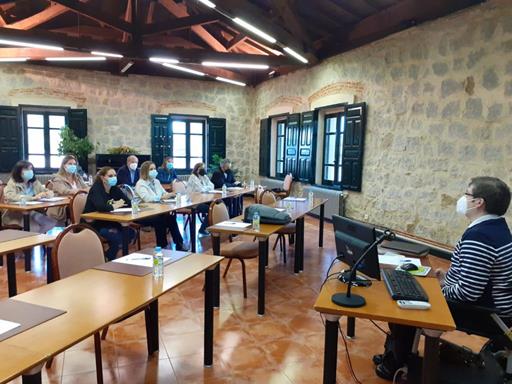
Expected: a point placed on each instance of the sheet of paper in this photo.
(30, 203)
(50, 199)
(234, 188)
(168, 201)
(233, 224)
(395, 259)
(122, 210)
(141, 259)
(214, 191)
(291, 198)
(6, 326)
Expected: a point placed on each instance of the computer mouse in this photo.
(409, 267)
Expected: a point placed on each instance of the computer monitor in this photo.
(352, 239)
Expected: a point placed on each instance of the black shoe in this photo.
(384, 372)
(204, 232)
(378, 359)
(181, 247)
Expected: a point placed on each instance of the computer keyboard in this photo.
(403, 286)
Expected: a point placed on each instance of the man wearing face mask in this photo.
(478, 275)
(129, 174)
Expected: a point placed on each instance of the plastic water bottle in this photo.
(135, 207)
(178, 199)
(251, 185)
(256, 221)
(311, 197)
(158, 263)
(224, 190)
(23, 200)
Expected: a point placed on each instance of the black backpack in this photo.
(268, 215)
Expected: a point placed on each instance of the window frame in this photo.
(188, 119)
(284, 122)
(338, 149)
(46, 112)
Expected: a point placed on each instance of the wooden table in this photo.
(380, 306)
(9, 247)
(297, 212)
(94, 299)
(154, 209)
(26, 210)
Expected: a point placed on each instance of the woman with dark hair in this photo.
(23, 186)
(149, 189)
(166, 172)
(199, 182)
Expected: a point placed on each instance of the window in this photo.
(42, 136)
(280, 147)
(333, 148)
(188, 143)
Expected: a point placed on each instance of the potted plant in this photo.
(122, 150)
(74, 145)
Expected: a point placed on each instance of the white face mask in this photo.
(133, 166)
(462, 206)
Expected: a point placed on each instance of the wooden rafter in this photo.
(233, 43)
(2, 20)
(128, 19)
(39, 18)
(151, 12)
(179, 23)
(286, 9)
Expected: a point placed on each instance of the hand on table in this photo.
(118, 204)
(441, 276)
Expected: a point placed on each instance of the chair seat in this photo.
(240, 249)
(288, 229)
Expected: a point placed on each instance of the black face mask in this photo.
(202, 172)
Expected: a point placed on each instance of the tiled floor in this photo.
(283, 347)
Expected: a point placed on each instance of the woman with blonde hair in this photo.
(199, 182)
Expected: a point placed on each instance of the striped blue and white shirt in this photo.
(481, 269)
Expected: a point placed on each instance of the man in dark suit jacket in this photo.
(224, 175)
(129, 174)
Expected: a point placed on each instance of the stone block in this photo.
(474, 57)
(451, 109)
(490, 79)
(473, 108)
(494, 112)
(508, 88)
(432, 110)
(506, 46)
(440, 69)
(458, 130)
(449, 87)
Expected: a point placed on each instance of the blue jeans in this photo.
(114, 237)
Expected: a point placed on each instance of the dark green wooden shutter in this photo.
(216, 138)
(10, 138)
(160, 138)
(292, 144)
(307, 147)
(264, 168)
(77, 119)
(353, 146)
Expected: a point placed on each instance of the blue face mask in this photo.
(71, 168)
(27, 174)
(169, 166)
(112, 181)
(152, 174)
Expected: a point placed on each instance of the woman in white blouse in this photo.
(149, 189)
(199, 182)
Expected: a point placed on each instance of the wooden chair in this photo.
(258, 193)
(290, 229)
(11, 226)
(77, 205)
(239, 250)
(287, 187)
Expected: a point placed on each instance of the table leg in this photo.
(299, 243)
(208, 315)
(321, 231)
(330, 348)
(1, 260)
(430, 371)
(49, 269)
(216, 275)
(192, 229)
(151, 316)
(27, 252)
(351, 327)
(241, 205)
(33, 376)
(262, 257)
(11, 274)
(126, 238)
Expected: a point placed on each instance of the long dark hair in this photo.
(18, 168)
(102, 172)
(195, 171)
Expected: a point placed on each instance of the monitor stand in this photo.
(359, 281)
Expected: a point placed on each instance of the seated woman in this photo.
(24, 185)
(166, 172)
(105, 196)
(66, 182)
(149, 189)
(199, 182)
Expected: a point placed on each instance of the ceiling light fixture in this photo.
(234, 65)
(12, 59)
(208, 3)
(230, 81)
(77, 58)
(183, 69)
(163, 60)
(99, 53)
(299, 57)
(254, 30)
(127, 66)
(30, 45)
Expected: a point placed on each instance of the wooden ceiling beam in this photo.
(2, 20)
(179, 23)
(347, 8)
(238, 39)
(96, 14)
(39, 18)
(287, 10)
(128, 19)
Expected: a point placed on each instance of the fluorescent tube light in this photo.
(127, 66)
(12, 59)
(208, 3)
(183, 69)
(163, 60)
(99, 53)
(234, 65)
(230, 81)
(254, 30)
(77, 58)
(30, 45)
(291, 52)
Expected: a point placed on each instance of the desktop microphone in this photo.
(348, 299)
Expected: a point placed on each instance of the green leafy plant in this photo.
(215, 163)
(74, 145)
(122, 150)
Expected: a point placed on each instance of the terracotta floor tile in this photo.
(286, 350)
(190, 369)
(83, 360)
(136, 352)
(184, 344)
(260, 376)
(151, 372)
(179, 326)
(269, 329)
(243, 357)
(110, 376)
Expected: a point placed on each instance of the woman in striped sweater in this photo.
(480, 273)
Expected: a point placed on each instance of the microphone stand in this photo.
(351, 300)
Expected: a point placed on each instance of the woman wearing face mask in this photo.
(66, 182)
(24, 185)
(166, 172)
(199, 182)
(149, 189)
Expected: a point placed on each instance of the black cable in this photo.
(349, 361)
(377, 325)
(330, 266)
(328, 277)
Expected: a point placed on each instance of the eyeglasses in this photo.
(469, 194)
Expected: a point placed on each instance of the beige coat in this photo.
(62, 187)
(12, 193)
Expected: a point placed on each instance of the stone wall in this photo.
(439, 112)
(119, 108)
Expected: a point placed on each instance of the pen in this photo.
(140, 258)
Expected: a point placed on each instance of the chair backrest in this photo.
(76, 249)
(287, 183)
(257, 194)
(128, 191)
(77, 206)
(218, 212)
(179, 186)
(268, 198)
(49, 185)
(2, 186)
